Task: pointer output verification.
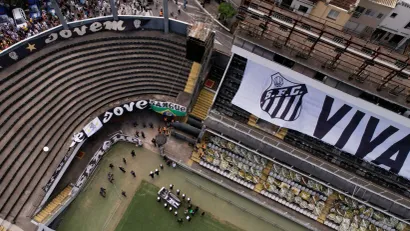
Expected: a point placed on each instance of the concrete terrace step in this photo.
(51, 95)
(64, 60)
(130, 62)
(27, 134)
(31, 105)
(64, 66)
(17, 200)
(101, 68)
(165, 80)
(67, 46)
(47, 174)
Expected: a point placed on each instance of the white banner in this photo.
(92, 127)
(273, 95)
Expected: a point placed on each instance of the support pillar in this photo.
(401, 43)
(59, 14)
(166, 15)
(314, 44)
(389, 77)
(291, 31)
(114, 10)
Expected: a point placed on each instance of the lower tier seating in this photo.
(48, 96)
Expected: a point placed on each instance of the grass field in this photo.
(90, 212)
(145, 213)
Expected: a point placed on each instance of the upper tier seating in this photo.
(53, 93)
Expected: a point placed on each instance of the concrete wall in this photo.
(321, 11)
(367, 20)
(396, 25)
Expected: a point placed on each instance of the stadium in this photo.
(297, 126)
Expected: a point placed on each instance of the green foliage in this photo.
(226, 11)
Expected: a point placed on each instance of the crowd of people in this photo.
(11, 34)
(72, 10)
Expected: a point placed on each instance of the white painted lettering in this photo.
(118, 111)
(96, 26)
(107, 116)
(141, 104)
(81, 31)
(129, 107)
(52, 37)
(66, 33)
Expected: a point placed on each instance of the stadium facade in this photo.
(296, 111)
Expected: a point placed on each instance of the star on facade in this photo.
(31, 47)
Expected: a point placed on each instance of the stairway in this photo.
(258, 188)
(192, 78)
(51, 207)
(265, 173)
(203, 103)
(281, 133)
(267, 168)
(252, 120)
(195, 156)
(328, 205)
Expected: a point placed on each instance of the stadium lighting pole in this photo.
(114, 10)
(166, 18)
(59, 14)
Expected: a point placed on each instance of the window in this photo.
(380, 15)
(303, 9)
(333, 14)
(369, 12)
(407, 26)
(393, 15)
(358, 11)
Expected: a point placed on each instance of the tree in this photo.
(226, 11)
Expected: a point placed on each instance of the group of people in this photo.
(79, 9)
(103, 192)
(72, 10)
(188, 211)
(11, 34)
(82, 9)
(110, 175)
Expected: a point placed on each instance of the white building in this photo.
(368, 15)
(395, 27)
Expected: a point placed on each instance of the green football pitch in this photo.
(145, 213)
(140, 210)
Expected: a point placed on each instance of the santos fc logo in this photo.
(283, 98)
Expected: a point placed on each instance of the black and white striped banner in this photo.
(289, 99)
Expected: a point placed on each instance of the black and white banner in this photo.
(36, 43)
(100, 153)
(289, 99)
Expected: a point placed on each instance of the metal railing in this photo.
(329, 47)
